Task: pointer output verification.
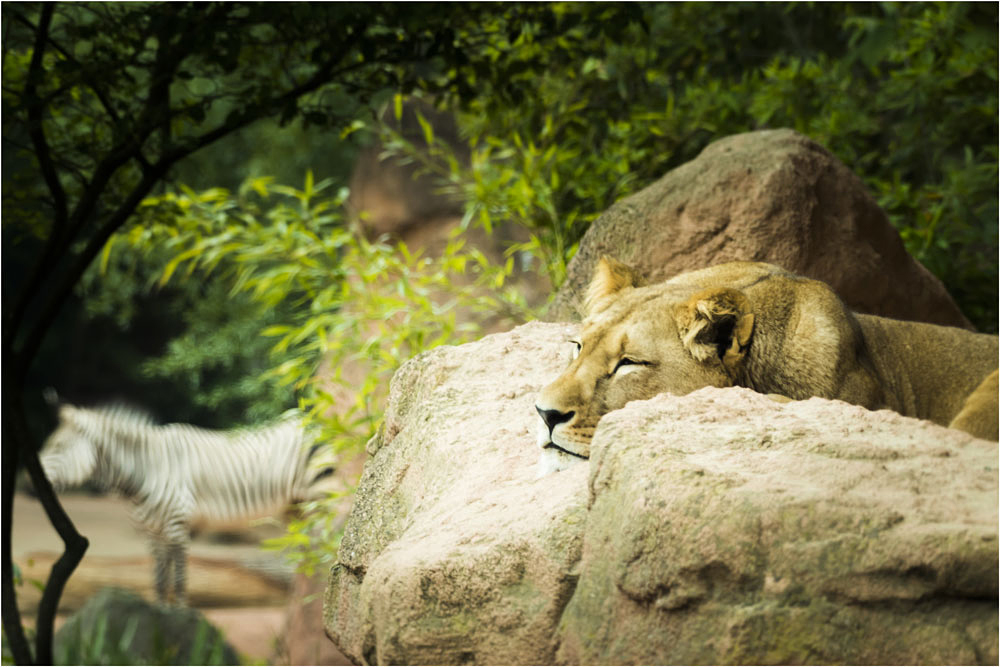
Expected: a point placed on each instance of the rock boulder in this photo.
(440, 563)
(724, 528)
(773, 196)
(718, 527)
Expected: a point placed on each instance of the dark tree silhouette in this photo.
(102, 100)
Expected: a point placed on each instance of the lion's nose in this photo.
(553, 418)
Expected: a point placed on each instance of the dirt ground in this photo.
(241, 588)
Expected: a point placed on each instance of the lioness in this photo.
(755, 325)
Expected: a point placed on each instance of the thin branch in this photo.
(27, 347)
(264, 109)
(58, 244)
(35, 108)
(6, 38)
(75, 547)
(12, 627)
(19, 448)
(89, 80)
(166, 61)
(42, 153)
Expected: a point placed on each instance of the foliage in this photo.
(102, 101)
(353, 310)
(905, 95)
(349, 299)
(206, 365)
(99, 645)
(312, 538)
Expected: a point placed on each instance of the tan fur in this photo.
(609, 277)
(980, 415)
(755, 325)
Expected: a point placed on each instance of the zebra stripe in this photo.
(177, 473)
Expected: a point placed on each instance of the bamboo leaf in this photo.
(106, 254)
(426, 127)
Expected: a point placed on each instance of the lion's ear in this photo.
(716, 323)
(610, 276)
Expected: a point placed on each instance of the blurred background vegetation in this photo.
(224, 292)
(906, 95)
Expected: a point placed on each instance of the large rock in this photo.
(724, 528)
(715, 527)
(773, 196)
(440, 562)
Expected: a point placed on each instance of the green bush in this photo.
(904, 94)
(190, 350)
(338, 300)
(98, 645)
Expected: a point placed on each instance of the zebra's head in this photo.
(68, 456)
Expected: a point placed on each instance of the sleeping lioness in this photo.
(755, 325)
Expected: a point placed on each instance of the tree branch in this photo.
(34, 106)
(26, 348)
(75, 547)
(12, 628)
(264, 109)
(36, 132)
(89, 80)
(17, 445)
(58, 244)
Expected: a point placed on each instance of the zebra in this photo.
(177, 473)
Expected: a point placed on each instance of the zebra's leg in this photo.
(161, 565)
(178, 554)
(176, 531)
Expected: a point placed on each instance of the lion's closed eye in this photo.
(628, 365)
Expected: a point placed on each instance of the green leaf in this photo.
(426, 127)
(106, 255)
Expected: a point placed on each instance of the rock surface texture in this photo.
(453, 552)
(772, 196)
(717, 527)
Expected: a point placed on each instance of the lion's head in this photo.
(756, 325)
(636, 342)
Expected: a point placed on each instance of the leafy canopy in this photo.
(904, 94)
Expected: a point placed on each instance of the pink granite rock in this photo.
(773, 196)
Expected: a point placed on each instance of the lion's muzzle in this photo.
(553, 418)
